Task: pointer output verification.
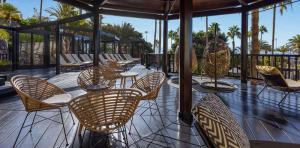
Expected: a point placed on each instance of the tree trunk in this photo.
(255, 41)
(154, 40)
(273, 28)
(206, 33)
(41, 10)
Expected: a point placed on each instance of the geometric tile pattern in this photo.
(219, 124)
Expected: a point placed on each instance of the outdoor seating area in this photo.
(73, 76)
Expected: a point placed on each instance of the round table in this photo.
(125, 75)
(97, 87)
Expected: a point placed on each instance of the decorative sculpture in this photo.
(216, 61)
(194, 60)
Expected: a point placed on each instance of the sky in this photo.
(287, 25)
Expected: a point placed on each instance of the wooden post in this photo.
(165, 47)
(58, 48)
(47, 50)
(244, 45)
(96, 38)
(185, 59)
(31, 49)
(14, 54)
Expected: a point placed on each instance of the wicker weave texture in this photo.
(33, 91)
(150, 84)
(97, 75)
(105, 111)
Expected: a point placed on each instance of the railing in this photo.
(289, 65)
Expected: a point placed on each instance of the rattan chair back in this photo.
(150, 84)
(96, 75)
(33, 91)
(105, 111)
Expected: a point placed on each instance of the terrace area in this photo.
(87, 87)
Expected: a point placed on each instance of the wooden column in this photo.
(47, 50)
(185, 59)
(96, 38)
(244, 45)
(165, 47)
(31, 49)
(14, 54)
(58, 48)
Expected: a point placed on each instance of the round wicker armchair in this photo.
(105, 111)
(33, 91)
(97, 75)
(194, 60)
(150, 84)
(37, 95)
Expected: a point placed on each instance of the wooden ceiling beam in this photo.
(50, 23)
(77, 4)
(261, 4)
(130, 14)
(210, 13)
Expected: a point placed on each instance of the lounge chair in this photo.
(129, 57)
(219, 129)
(274, 79)
(107, 56)
(68, 66)
(86, 58)
(102, 59)
(75, 56)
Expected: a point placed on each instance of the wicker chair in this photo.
(150, 86)
(106, 111)
(38, 95)
(97, 75)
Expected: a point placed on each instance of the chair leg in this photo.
(72, 117)
(150, 108)
(131, 122)
(62, 121)
(257, 96)
(284, 97)
(32, 121)
(124, 133)
(159, 113)
(21, 130)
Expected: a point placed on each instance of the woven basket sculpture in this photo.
(216, 60)
(97, 75)
(194, 60)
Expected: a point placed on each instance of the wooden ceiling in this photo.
(159, 7)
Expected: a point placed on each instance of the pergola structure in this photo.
(166, 10)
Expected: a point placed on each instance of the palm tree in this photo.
(282, 8)
(213, 26)
(206, 31)
(283, 49)
(41, 10)
(295, 42)
(62, 11)
(254, 38)
(264, 45)
(9, 13)
(171, 35)
(262, 29)
(234, 31)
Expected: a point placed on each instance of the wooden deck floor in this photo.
(261, 119)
